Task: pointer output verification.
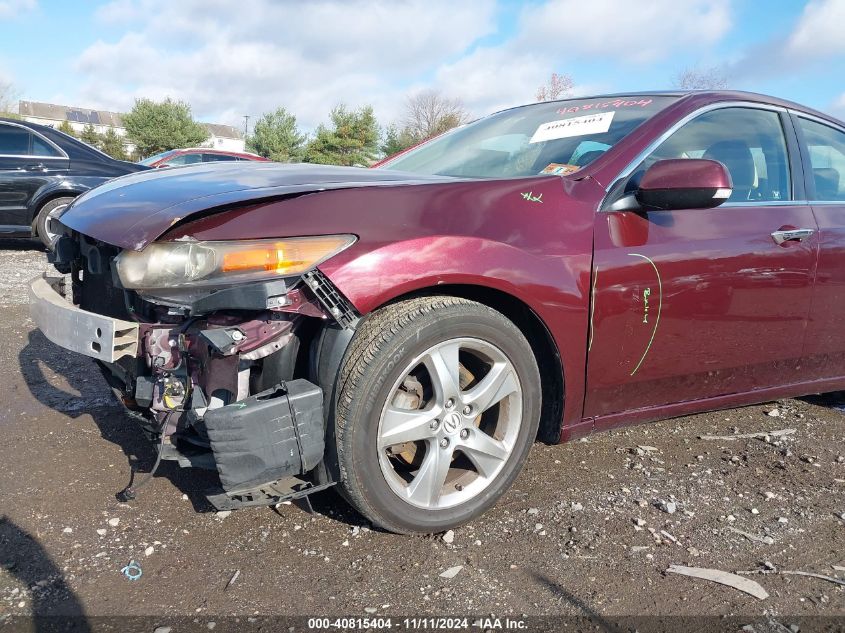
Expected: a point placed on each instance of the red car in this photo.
(194, 155)
(408, 332)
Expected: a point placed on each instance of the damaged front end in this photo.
(219, 350)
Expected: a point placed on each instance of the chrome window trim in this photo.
(766, 203)
(639, 158)
(33, 156)
(63, 154)
(818, 119)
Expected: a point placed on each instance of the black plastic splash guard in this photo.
(271, 435)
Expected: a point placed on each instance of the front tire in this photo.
(44, 217)
(438, 405)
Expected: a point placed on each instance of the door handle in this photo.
(792, 235)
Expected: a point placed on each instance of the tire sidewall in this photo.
(383, 372)
(41, 218)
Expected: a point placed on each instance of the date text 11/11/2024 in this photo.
(418, 623)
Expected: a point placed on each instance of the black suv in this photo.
(41, 171)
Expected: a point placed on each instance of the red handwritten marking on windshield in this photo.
(616, 103)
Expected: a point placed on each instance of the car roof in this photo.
(704, 97)
(34, 126)
(211, 150)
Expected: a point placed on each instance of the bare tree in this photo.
(8, 98)
(701, 79)
(558, 87)
(429, 113)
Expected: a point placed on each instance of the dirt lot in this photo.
(586, 530)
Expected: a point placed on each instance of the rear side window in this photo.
(185, 159)
(18, 141)
(748, 141)
(14, 141)
(826, 147)
(216, 158)
(41, 148)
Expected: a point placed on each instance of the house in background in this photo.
(222, 137)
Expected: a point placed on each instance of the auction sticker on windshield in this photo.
(578, 126)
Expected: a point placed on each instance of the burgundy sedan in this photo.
(194, 155)
(406, 333)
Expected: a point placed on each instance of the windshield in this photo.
(557, 137)
(156, 157)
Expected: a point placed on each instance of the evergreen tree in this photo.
(112, 144)
(156, 127)
(396, 140)
(351, 138)
(90, 135)
(67, 128)
(277, 137)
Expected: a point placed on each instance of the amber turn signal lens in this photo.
(284, 256)
(270, 259)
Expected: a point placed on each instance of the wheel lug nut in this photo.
(464, 433)
(434, 424)
(450, 403)
(444, 443)
(467, 410)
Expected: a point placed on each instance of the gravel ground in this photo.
(589, 528)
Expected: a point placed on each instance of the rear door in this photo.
(28, 161)
(824, 155)
(698, 303)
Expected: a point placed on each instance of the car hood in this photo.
(133, 210)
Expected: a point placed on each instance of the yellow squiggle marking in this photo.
(659, 307)
(592, 309)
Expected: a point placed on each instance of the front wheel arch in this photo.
(37, 205)
(545, 350)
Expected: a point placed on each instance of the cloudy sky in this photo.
(229, 58)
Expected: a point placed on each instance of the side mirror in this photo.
(684, 183)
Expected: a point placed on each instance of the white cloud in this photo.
(13, 8)
(491, 79)
(837, 108)
(818, 32)
(620, 29)
(230, 59)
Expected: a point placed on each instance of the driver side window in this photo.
(749, 142)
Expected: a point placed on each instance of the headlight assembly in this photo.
(201, 264)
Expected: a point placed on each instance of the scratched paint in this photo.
(531, 197)
(592, 308)
(645, 316)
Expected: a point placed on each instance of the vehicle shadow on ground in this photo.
(831, 400)
(24, 244)
(96, 398)
(54, 605)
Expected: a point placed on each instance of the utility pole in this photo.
(246, 125)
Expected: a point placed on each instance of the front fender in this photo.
(379, 276)
(556, 288)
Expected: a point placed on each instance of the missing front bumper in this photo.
(266, 447)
